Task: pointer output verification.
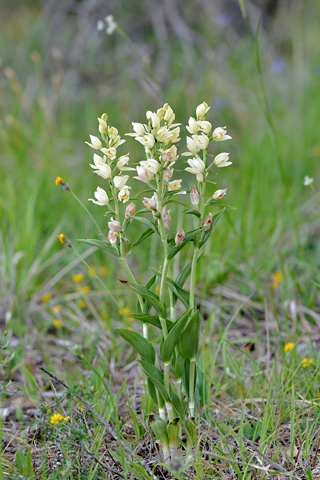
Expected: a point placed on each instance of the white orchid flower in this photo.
(221, 160)
(205, 127)
(174, 185)
(193, 126)
(219, 194)
(308, 181)
(120, 181)
(147, 140)
(202, 141)
(150, 165)
(124, 194)
(103, 171)
(95, 142)
(197, 167)
(97, 160)
(110, 152)
(202, 110)
(101, 197)
(219, 134)
(144, 175)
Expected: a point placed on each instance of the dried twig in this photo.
(108, 427)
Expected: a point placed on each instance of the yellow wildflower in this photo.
(57, 418)
(85, 289)
(62, 237)
(276, 279)
(55, 309)
(57, 323)
(82, 304)
(46, 297)
(157, 289)
(78, 277)
(59, 181)
(316, 151)
(288, 346)
(92, 270)
(103, 271)
(124, 311)
(307, 361)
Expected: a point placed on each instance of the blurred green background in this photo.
(58, 73)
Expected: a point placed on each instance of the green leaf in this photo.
(192, 212)
(208, 232)
(179, 292)
(178, 405)
(151, 282)
(147, 222)
(153, 393)
(100, 244)
(151, 297)
(152, 319)
(21, 461)
(159, 428)
(189, 339)
(178, 366)
(144, 235)
(141, 344)
(189, 236)
(182, 277)
(156, 378)
(173, 336)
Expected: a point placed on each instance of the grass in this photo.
(260, 415)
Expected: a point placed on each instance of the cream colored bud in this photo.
(205, 127)
(103, 171)
(219, 194)
(166, 219)
(122, 162)
(130, 210)
(114, 226)
(102, 125)
(169, 115)
(174, 135)
(160, 112)
(153, 117)
(180, 236)
(104, 117)
(112, 237)
(113, 133)
(222, 160)
(208, 221)
(194, 196)
(101, 197)
(151, 203)
(167, 174)
(202, 110)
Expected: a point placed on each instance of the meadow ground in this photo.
(258, 284)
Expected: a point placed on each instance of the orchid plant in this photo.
(169, 371)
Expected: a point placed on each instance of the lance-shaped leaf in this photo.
(208, 232)
(192, 212)
(151, 319)
(141, 344)
(150, 297)
(159, 428)
(178, 405)
(189, 236)
(178, 366)
(100, 244)
(179, 292)
(189, 339)
(144, 235)
(170, 342)
(157, 398)
(156, 378)
(147, 222)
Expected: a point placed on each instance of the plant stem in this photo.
(191, 386)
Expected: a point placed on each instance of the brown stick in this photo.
(110, 429)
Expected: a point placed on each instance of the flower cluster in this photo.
(57, 418)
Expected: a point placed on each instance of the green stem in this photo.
(191, 386)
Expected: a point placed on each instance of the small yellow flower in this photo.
(307, 361)
(46, 297)
(55, 309)
(124, 311)
(59, 181)
(288, 346)
(316, 151)
(82, 304)
(85, 289)
(57, 323)
(157, 289)
(62, 237)
(103, 271)
(276, 279)
(92, 270)
(78, 277)
(57, 418)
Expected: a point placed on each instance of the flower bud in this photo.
(167, 174)
(95, 142)
(166, 219)
(64, 185)
(180, 236)
(151, 203)
(207, 222)
(202, 110)
(63, 239)
(102, 125)
(120, 181)
(194, 196)
(219, 194)
(130, 211)
(112, 237)
(114, 226)
(144, 175)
